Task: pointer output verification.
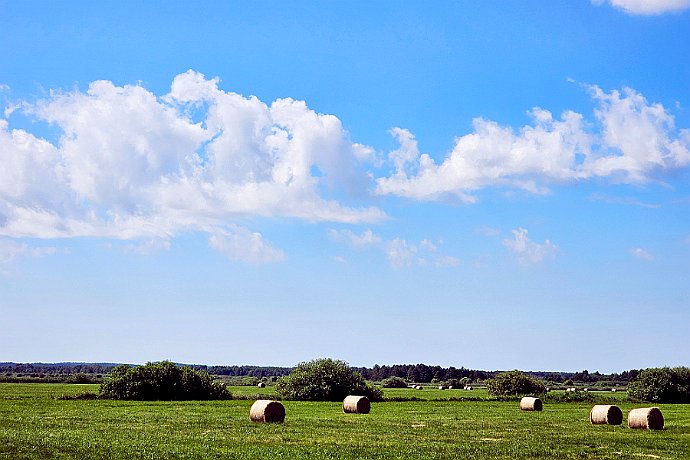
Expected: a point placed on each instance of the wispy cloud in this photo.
(647, 7)
(11, 249)
(241, 244)
(366, 238)
(148, 246)
(400, 252)
(488, 231)
(527, 251)
(641, 254)
(625, 200)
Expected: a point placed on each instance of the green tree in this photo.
(662, 385)
(514, 383)
(325, 380)
(161, 381)
(394, 382)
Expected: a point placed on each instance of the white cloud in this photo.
(366, 238)
(400, 252)
(241, 244)
(148, 246)
(132, 165)
(488, 231)
(647, 7)
(641, 254)
(633, 141)
(11, 249)
(625, 200)
(527, 251)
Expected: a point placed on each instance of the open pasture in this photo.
(35, 425)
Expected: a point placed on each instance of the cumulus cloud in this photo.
(241, 244)
(527, 251)
(641, 254)
(129, 164)
(647, 7)
(632, 142)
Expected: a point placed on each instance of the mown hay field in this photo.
(33, 424)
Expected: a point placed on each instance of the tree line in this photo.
(422, 373)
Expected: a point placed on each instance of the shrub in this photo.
(162, 381)
(662, 385)
(80, 377)
(325, 380)
(514, 383)
(394, 382)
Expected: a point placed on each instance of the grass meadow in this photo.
(34, 424)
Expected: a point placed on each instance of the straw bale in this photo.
(267, 411)
(356, 405)
(530, 403)
(261, 385)
(648, 418)
(606, 414)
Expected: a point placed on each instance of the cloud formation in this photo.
(641, 254)
(527, 251)
(239, 243)
(647, 7)
(129, 164)
(400, 252)
(633, 141)
(10, 250)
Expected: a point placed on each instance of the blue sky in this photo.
(493, 185)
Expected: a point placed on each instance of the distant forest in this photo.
(420, 373)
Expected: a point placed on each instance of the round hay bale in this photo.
(646, 418)
(261, 385)
(441, 387)
(356, 405)
(613, 389)
(451, 387)
(530, 403)
(418, 387)
(267, 411)
(606, 414)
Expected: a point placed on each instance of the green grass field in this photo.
(33, 424)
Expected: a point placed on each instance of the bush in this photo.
(662, 385)
(394, 382)
(514, 383)
(163, 381)
(325, 380)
